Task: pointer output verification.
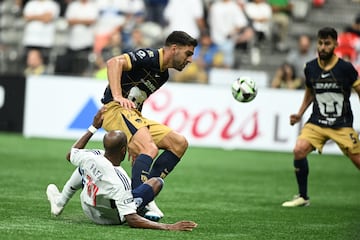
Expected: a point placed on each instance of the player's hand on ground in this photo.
(183, 226)
(98, 119)
(124, 102)
(294, 118)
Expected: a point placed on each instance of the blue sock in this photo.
(164, 164)
(301, 173)
(140, 170)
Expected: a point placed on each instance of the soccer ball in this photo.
(244, 89)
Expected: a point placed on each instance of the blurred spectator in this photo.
(112, 49)
(155, 11)
(285, 77)
(111, 19)
(134, 12)
(304, 52)
(40, 28)
(229, 27)
(185, 15)
(354, 27)
(206, 56)
(318, 3)
(260, 13)
(34, 63)
(81, 16)
(136, 41)
(281, 18)
(349, 43)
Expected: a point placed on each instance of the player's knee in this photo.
(149, 149)
(152, 150)
(302, 149)
(355, 158)
(180, 145)
(156, 183)
(299, 152)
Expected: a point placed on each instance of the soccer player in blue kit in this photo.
(133, 77)
(329, 82)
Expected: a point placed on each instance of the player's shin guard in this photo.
(164, 164)
(302, 172)
(140, 170)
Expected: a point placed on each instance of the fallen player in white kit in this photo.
(107, 197)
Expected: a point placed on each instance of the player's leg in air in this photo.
(58, 199)
(146, 137)
(145, 193)
(173, 145)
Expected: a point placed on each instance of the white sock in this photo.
(71, 186)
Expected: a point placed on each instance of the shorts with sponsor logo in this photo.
(129, 121)
(346, 138)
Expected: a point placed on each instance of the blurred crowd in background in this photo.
(77, 37)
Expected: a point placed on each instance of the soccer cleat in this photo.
(297, 201)
(152, 216)
(53, 194)
(152, 207)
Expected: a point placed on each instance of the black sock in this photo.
(302, 172)
(140, 170)
(164, 164)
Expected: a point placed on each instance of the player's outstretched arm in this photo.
(97, 123)
(307, 100)
(136, 221)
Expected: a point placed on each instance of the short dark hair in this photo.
(327, 32)
(180, 38)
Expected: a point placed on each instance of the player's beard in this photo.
(179, 65)
(326, 55)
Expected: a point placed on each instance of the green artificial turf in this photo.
(231, 194)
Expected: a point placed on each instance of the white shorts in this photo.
(101, 214)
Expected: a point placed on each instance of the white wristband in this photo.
(92, 129)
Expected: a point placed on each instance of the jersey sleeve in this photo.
(141, 58)
(125, 204)
(123, 196)
(78, 156)
(307, 75)
(354, 76)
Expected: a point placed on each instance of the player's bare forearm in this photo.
(115, 67)
(136, 221)
(307, 100)
(84, 139)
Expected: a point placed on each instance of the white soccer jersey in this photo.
(106, 197)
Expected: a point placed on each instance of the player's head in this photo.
(182, 47)
(115, 144)
(326, 43)
(180, 38)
